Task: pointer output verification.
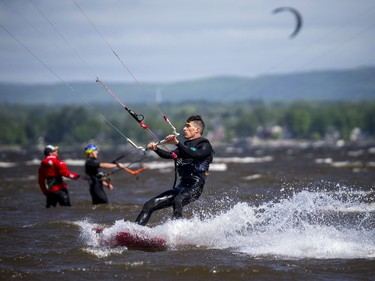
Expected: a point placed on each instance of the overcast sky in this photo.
(174, 40)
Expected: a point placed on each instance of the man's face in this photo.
(94, 154)
(190, 131)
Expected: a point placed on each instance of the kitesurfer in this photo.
(95, 178)
(50, 178)
(192, 159)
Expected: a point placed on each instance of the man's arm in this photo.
(63, 170)
(203, 150)
(42, 181)
(162, 153)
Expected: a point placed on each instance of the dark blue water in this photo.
(267, 214)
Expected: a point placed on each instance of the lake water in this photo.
(265, 214)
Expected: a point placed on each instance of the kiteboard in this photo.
(132, 240)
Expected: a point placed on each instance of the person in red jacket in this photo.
(50, 178)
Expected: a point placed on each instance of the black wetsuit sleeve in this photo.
(163, 154)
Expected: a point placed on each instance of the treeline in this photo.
(30, 125)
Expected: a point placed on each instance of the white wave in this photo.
(33, 162)
(218, 167)
(104, 252)
(70, 162)
(155, 165)
(293, 227)
(244, 159)
(361, 208)
(219, 163)
(253, 177)
(356, 153)
(75, 162)
(323, 160)
(343, 164)
(7, 164)
(159, 165)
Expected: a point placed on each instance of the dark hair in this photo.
(197, 119)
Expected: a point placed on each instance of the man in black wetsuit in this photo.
(192, 159)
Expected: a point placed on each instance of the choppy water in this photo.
(264, 215)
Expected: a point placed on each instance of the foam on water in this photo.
(7, 164)
(307, 224)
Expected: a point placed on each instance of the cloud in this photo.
(170, 40)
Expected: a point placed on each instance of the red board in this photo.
(133, 240)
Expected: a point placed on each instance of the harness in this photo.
(103, 177)
(52, 181)
(190, 167)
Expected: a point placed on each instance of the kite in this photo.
(297, 16)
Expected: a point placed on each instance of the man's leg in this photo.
(51, 199)
(186, 196)
(161, 201)
(63, 197)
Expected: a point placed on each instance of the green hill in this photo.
(345, 85)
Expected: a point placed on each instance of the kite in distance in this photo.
(297, 16)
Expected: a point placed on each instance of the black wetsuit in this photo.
(96, 185)
(191, 164)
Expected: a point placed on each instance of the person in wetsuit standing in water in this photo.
(51, 172)
(96, 179)
(192, 160)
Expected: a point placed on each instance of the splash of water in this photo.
(307, 224)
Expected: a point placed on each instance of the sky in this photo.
(44, 41)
